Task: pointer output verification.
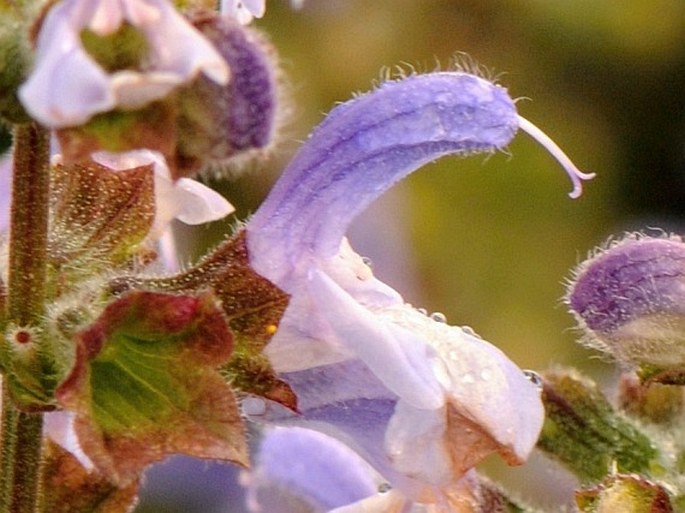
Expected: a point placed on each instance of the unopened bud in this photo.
(630, 301)
(221, 122)
(584, 433)
(624, 494)
(651, 401)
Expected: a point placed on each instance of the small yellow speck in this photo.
(271, 329)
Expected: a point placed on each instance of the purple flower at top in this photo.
(420, 400)
(67, 86)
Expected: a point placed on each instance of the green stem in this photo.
(21, 437)
(21, 460)
(29, 226)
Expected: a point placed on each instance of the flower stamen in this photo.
(576, 175)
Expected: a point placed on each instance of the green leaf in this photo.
(145, 384)
(253, 306)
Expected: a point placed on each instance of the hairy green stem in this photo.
(21, 437)
(29, 226)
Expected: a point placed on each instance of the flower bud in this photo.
(630, 301)
(217, 122)
(584, 433)
(650, 400)
(624, 494)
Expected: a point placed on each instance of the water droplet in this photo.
(470, 331)
(485, 375)
(254, 406)
(467, 378)
(367, 262)
(384, 488)
(534, 378)
(422, 311)
(438, 317)
(453, 355)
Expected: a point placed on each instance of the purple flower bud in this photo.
(220, 121)
(630, 300)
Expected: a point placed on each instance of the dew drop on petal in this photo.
(467, 378)
(384, 487)
(534, 378)
(438, 317)
(470, 331)
(254, 406)
(422, 311)
(485, 375)
(367, 262)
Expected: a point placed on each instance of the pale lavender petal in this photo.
(243, 10)
(59, 427)
(67, 87)
(199, 204)
(345, 401)
(318, 469)
(364, 147)
(403, 364)
(300, 345)
(178, 47)
(481, 383)
(416, 442)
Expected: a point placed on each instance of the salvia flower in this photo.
(93, 56)
(330, 477)
(421, 400)
(629, 300)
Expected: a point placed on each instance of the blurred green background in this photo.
(490, 241)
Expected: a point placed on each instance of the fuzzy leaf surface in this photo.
(98, 216)
(253, 306)
(146, 384)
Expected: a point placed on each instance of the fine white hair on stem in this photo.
(576, 175)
